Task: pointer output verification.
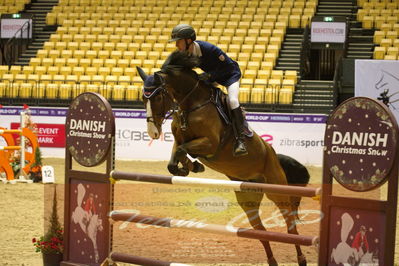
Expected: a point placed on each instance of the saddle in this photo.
(221, 103)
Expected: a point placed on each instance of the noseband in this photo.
(153, 93)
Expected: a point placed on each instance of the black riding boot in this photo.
(238, 126)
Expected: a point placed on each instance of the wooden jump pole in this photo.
(122, 257)
(214, 228)
(205, 182)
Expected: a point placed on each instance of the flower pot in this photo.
(52, 259)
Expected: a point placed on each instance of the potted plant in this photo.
(51, 244)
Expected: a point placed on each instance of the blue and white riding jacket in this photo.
(215, 62)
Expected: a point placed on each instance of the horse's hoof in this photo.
(183, 172)
(173, 169)
(302, 260)
(198, 167)
(272, 262)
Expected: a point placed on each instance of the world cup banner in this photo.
(379, 79)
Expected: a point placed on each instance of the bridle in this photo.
(150, 92)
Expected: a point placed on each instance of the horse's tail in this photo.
(297, 175)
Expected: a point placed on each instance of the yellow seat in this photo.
(378, 36)
(288, 84)
(47, 61)
(274, 83)
(58, 79)
(110, 62)
(294, 21)
(124, 80)
(117, 71)
(367, 22)
(98, 80)
(246, 83)
(84, 79)
(46, 79)
(97, 46)
(263, 74)
(53, 70)
(26, 70)
(257, 95)
(65, 91)
(40, 70)
(42, 53)
(20, 78)
(65, 70)
(91, 71)
(260, 83)
(104, 71)
(285, 96)
(59, 62)
(103, 54)
(109, 46)
(386, 43)
(51, 90)
(60, 46)
(393, 51)
(71, 79)
(121, 46)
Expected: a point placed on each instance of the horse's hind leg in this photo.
(250, 203)
(289, 210)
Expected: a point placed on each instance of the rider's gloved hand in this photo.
(204, 76)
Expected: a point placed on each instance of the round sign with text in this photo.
(361, 143)
(90, 126)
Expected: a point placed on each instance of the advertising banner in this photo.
(299, 136)
(9, 27)
(328, 32)
(378, 79)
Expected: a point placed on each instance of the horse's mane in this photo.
(180, 61)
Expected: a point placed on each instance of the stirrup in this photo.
(240, 149)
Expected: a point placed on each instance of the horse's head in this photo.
(156, 100)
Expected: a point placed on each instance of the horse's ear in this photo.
(142, 74)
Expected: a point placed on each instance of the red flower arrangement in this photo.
(52, 241)
(50, 244)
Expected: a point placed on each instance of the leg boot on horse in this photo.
(238, 125)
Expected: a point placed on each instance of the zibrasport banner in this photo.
(299, 136)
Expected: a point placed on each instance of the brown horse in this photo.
(201, 133)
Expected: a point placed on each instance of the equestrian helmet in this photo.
(183, 31)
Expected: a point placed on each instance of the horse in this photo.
(200, 132)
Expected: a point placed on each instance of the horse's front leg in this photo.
(200, 147)
(187, 165)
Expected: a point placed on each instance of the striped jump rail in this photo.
(9, 148)
(205, 182)
(122, 257)
(215, 228)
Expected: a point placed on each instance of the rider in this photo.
(217, 67)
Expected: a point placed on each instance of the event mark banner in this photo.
(378, 79)
(48, 135)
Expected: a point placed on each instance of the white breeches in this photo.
(233, 91)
